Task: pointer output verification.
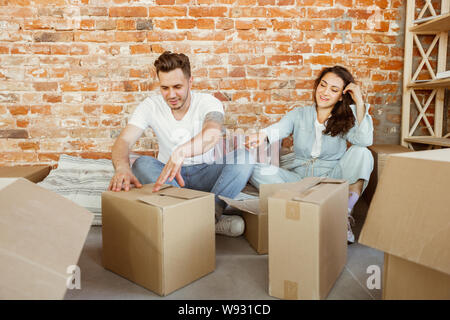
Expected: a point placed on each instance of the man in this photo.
(188, 125)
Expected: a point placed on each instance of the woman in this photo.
(320, 133)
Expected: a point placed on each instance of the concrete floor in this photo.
(240, 273)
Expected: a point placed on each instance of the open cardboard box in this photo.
(41, 237)
(35, 173)
(161, 241)
(409, 219)
(255, 215)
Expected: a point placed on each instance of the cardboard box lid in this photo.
(388, 148)
(41, 235)
(409, 216)
(33, 173)
(167, 196)
(259, 206)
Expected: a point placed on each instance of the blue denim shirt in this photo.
(300, 122)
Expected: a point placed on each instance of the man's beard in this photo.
(184, 102)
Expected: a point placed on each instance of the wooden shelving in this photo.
(437, 83)
(433, 141)
(438, 24)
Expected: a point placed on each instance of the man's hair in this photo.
(169, 61)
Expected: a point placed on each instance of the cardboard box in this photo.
(41, 236)
(161, 241)
(307, 238)
(380, 153)
(409, 219)
(33, 173)
(255, 215)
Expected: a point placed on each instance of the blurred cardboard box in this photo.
(41, 238)
(380, 153)
(33, 173)
(409, 219)
(161, 241)
(307, 238)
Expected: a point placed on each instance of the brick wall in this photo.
(72, 70)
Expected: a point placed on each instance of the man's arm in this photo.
(209, 136)
(120, 159)
(201, 143)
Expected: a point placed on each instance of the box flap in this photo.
(388, 148)
(247, 205)
(310, 189)
(34, 173)
(41, 235)
(170, 196)
(160, 200)
(267, 190)
(182, 193)
(409, 216)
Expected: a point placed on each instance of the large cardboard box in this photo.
(409, 219)
(254, 212)
(41, 238)
(380, 153)
(307, 238)
(35, 173)
(161, 241)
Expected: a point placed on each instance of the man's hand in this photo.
(171, 170)
(255, 140)
(122, 179)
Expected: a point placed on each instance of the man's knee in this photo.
(142, 168)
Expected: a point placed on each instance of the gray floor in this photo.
(240, 273)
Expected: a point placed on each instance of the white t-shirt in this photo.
(155, 113)
(317, 146)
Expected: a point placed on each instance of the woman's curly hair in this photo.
(342, 118)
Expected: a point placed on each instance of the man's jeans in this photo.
(225, 177)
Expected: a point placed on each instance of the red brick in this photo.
(111, 109)
(164, 24)
(186, 23)
(140, 49)
(285, 60)
(79, 86)
(130, 36)
(128, 12)
(45, 86)
(200, 12)
(126, 24)
(167, 11)
(18, 110)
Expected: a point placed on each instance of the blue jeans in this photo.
(225, 177)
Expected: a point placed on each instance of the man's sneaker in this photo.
(230, 225)
(350, 235)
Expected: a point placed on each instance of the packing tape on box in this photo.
(290, 290)
(293, 210)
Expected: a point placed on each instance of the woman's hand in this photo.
(255, 140)
(355, 93)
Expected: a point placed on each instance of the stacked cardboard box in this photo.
(162, 241)
(380, 153)
(409, 219)
(307, 238)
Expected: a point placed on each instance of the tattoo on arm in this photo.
(216, 117)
